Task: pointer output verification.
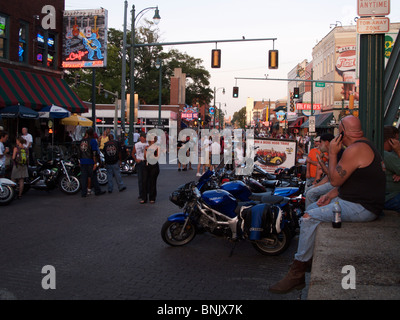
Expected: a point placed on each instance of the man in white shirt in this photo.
(138, 156)
(3, 151)
(29, 142)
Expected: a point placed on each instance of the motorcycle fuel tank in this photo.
(221, 201)
(238, 189)
(285, 192)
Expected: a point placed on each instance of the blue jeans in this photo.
(351, 212)
(313, 193)
(113, 170)
(87, 172)
(393, 204)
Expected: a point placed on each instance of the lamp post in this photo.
(215, 94)
(159, 66)
(136, 18)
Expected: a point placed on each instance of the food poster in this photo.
(272, 153)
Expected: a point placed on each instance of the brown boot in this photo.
(295, 279)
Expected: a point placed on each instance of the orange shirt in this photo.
(313, 157)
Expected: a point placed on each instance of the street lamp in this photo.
(135, 19)
(215, 93)
(159, 66)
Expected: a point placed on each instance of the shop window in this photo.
(23, 42)
(46, 51)
(4, 26)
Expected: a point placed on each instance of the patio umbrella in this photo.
(54, 112)
(77, 120)
(18, 111)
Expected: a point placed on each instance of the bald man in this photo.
(359, 182)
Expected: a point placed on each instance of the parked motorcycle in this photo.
(47, 175)
(219, 213)
(7, 191)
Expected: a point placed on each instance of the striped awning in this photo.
(36, 91)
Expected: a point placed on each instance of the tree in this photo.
(239, 118)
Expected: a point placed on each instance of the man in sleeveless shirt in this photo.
(359, 168)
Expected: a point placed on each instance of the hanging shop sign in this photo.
(84, 38)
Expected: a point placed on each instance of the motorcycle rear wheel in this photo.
(70, 187)
(7, 195)
(170, 233)
(275, 244)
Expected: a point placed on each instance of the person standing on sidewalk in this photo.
(359, 168)
(150, 173)
(112, 158)
(88, 159)
(138, 156)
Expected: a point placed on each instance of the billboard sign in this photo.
(84, 38)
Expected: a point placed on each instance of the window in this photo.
(4, 25)
(46, 51)
(23, 42)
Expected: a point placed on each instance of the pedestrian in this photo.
(150, 172)
(29, 143)
(103, 139)
(112, 159)
(20, 159)
(3, 152)
(138, 157)
(391, 147)
(359, 182)
(312, 163)
(88, 160)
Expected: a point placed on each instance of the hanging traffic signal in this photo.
(101, 88)
(296, 93)
(216, 58)
(273, 59)
(291, 103)
(235, 92)
(77, 80)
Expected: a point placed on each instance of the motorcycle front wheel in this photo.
(274, 244)
(7, 195)
(171, 233)
(102, 177)
(70, 187)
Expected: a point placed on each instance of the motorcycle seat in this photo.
(257, 196)
(244, 204)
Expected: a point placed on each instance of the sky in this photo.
(297, 25)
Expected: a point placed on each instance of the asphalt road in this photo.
(109, 247)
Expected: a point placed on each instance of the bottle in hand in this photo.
(337, 215)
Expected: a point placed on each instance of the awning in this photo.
(36, 91)
(322, 120)
(297, 123)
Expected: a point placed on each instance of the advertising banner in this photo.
(85, 38)
(272, 154)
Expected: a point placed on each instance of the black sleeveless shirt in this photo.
(366, 186)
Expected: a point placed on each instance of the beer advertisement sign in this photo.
(85, 38)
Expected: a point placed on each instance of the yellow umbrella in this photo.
(77, 120)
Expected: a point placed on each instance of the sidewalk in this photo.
(372, 248)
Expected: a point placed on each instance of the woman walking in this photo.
(20, 168)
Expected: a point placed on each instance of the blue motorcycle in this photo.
(220, 213)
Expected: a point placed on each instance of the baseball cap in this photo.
(317, 139)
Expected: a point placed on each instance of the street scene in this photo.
(149, 155)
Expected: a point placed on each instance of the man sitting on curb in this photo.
(359, 168)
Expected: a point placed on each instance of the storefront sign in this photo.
(307, 106)
(85, 38)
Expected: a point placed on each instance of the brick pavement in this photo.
(110, 247)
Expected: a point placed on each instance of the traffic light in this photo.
(291, 103)
(296, 93)
(77, 80)
(235, 92)
(216, 58)
(273, 59)
(101, 88)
